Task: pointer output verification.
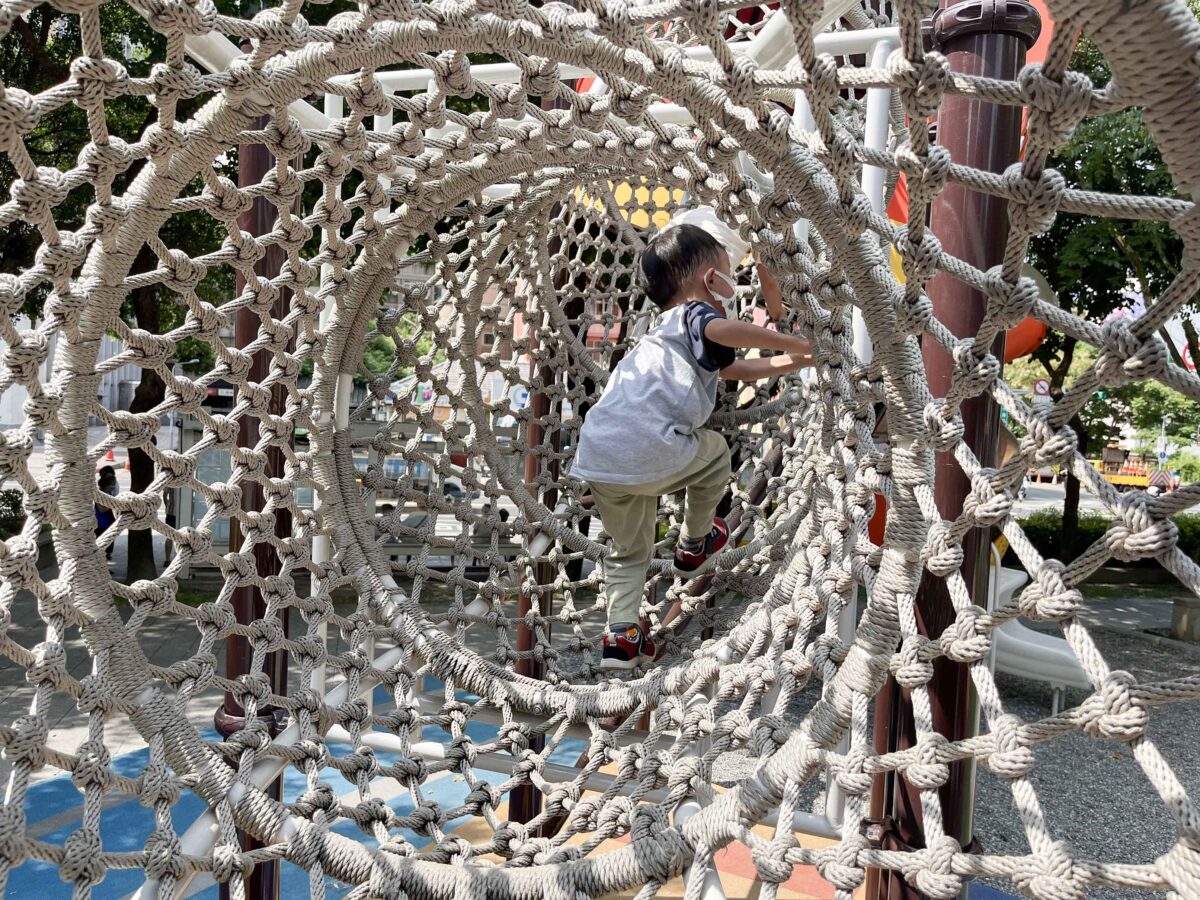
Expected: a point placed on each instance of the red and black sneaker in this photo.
(625, 646)
(690, 560)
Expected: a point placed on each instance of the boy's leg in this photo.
(706, 480)
(629, 519)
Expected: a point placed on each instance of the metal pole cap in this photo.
(1018, 18)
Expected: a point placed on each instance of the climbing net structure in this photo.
(467, 185)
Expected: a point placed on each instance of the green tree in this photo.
(1154, 405)
(1096, 265)
(36, 55)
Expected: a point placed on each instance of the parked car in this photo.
(453, 490)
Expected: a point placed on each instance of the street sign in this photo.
(1162, 456)
(1041, 388)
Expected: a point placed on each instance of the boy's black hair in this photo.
(673, 256)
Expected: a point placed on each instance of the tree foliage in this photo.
(1155, 404)
(36, 54)
(1096, 265)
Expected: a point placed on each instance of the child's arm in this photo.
(744, 336)
(765, 367)
(772, 294)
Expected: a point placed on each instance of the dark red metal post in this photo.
(987, 38)
(254, 161)
(525, 801)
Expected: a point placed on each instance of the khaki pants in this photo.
(629, 513)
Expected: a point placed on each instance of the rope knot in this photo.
(943, 429)
(99, 79)
(540, 78)
(926, 174)
(1047, 445)
(1131, 537)
(913, 315)
(92, 766)
(1127, 357)
(82, 862)
(171, 81)
(942, 557)
(1180, 866)
(1048, 597)
(1051, 875)
(969, 639)
(839, 864)
(164, 856)
(630, 101)
(985, 504)
(37, 196)
(929, 772)
(49, 665)
(770, 733)
(974, 373)
(921, 84)
(1034, 202)
(852, 776)
(615, 817)
(931, 872)
(1112, 712)
(920, 256)
(182, 17)
(28, 743)
(796, 662)
(275, 33)
(1010, 758)
(772, 867)
(18, 116)
(1056, 106)
(1009, 303)
(156, 786)
(228, 863)
(318, 799)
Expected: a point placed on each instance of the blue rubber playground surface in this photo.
(54, 808)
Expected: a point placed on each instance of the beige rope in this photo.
(537, 293)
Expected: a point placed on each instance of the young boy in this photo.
(645, 437)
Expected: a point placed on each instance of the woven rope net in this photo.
(497, 249)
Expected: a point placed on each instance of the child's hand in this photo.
(772, 294)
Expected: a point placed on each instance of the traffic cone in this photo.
(108, 457)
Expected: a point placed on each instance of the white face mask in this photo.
(726, 300)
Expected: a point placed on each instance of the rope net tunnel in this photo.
(425, 220)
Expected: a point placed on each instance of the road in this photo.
(1051, 496)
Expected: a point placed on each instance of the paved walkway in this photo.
(1139, 608)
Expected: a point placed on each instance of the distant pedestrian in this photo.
(106, 483)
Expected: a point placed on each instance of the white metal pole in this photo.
(875, 137)
(322, 548)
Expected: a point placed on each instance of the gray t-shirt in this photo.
(643, 428)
